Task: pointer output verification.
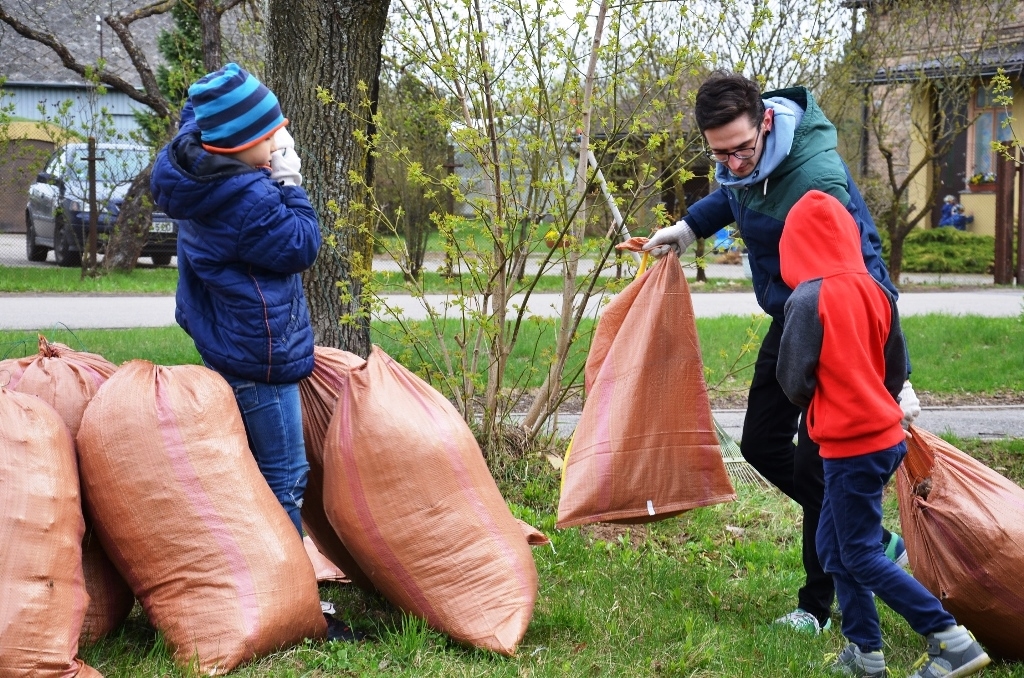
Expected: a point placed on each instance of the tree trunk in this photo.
(129, 235)
(334, 45)
(895, 254)
(209, 18)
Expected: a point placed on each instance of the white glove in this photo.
(910, 405)
(283, 139)
(284, 167)
(678, 238)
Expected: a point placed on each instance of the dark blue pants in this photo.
(849, 547)
(769, 427)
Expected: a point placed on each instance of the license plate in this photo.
(162, 227)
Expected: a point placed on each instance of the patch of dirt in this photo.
(610, 532)
(929, 399)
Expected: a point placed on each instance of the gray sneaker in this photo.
(940, 661)
(852, 662)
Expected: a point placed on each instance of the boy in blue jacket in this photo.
(246, 232)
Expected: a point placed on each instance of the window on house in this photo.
(989, 125)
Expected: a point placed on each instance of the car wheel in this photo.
(33, 251)
(63, 251)
(161, 259)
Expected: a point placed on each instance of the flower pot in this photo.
(982, 188)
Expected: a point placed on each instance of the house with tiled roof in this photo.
(932, 48)
(37, 84)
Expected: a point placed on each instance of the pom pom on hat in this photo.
(234, 110)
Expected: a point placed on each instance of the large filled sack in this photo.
(645, 446)
(183, 511)
(963, 524)
(409, 493)
(67, 379)
(43, 600)
(319, 394)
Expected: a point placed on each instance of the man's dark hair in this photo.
(725, 96)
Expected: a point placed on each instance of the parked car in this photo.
(57, 215)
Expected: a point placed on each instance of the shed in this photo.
(24, 149)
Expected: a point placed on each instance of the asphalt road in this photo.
(34, 312)
(39, 313)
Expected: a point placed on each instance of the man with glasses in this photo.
(770, 150)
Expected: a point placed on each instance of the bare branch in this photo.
(150, 96)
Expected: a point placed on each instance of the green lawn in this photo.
(950, 354)
(162, 280)
(690, 596)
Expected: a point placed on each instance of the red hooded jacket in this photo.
(842, 356)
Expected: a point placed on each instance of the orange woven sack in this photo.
(183, 511)
(67, 380)
(645, 446)
(963, 524)
(110, 598)
(319, 394)
(408, 491)
(41, 526)
(324, 569)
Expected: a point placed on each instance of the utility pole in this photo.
(89, 261)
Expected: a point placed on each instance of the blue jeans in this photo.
(849, 546)
(272, 414)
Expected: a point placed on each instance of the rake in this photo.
(739, 470)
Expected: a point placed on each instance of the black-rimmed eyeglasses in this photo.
(740, 154)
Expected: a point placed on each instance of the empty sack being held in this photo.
(963, 524)
(43, 601)
(409, 492)
(182, 509)
(645, 446)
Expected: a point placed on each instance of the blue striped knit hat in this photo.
(234, 110)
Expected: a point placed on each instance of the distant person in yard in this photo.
(953, 214)
(770, 150)
(842, 358)
(231, 177)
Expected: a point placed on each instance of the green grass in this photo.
(950, 354)
(163, 280)
(432, 282)
(57, 280)
(690, 596)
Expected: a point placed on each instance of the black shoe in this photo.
(339, 630)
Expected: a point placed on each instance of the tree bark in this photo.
(334, 45)
(129, 235)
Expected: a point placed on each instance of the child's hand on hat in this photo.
(284, 161)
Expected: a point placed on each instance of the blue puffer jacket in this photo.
(243, 241)
(795, 160)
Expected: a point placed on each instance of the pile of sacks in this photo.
(137, 482)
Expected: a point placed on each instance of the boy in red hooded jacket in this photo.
(843, 358)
